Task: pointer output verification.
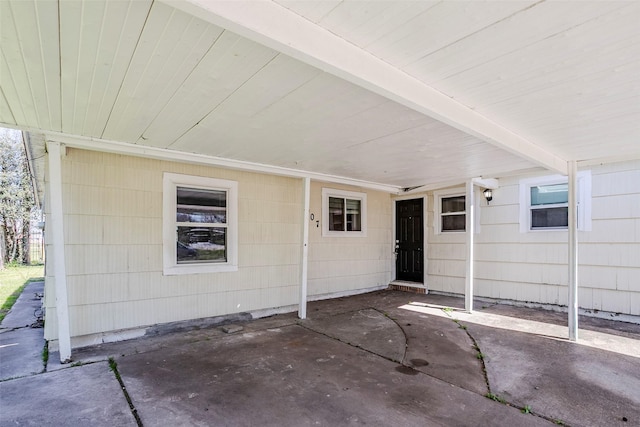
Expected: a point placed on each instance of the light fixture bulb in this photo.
(488, 195)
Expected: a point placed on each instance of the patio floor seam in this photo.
(387, 358)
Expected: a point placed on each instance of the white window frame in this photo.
(584, 201)
(438, 195)
(342, 194)
(170, 183)
(437, 218)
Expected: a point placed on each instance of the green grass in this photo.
(45, 353)
(12, 280)
(495, 397)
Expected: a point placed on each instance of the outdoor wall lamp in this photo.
(488, 195)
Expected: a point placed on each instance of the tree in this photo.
(16, 198)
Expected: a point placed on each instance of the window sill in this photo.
(198, 269)
(344, 234)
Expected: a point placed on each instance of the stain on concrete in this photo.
(407, 370)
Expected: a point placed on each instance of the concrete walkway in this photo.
(21, 335)
(384, 358)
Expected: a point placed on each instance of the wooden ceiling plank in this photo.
(32, 75)
(6, 115)
(14, 113)
(314, 108)
(532, 26)
(574, 88)
(554, 61)
(442, 25)
(48, 28)
(124, 29)
(317, 95)
(171, 45)
(97, 41)
(227, 66)
(366, 30)
(350, 16)
(320, 48)
(79, 56)
(148, 42)
(274, 82)
(313, 10)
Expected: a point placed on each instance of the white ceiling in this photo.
(404, 93)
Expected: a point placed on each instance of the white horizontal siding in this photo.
(113, 236)
(339, 264)
(532, 266)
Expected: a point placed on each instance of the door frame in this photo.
(425, 233)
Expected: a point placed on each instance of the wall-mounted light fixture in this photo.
(488, 195)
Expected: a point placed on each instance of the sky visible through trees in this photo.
(16, 199)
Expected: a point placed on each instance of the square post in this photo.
(573, 249)
(302, 311)
(469, 227)
(56, 226)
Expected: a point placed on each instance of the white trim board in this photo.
(349, 293)
(94, 144)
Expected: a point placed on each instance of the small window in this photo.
(344, 213)
(544, 203)
(450, 211)
(200, 224)
(450, 214)
(453, 214)
(549, 206)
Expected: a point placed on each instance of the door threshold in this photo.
(406, 286)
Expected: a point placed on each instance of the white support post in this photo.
(470, 217)
(573, 249)
(302, 311)
(56, 226)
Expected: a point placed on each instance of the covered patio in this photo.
(383, 358)
(392, 97)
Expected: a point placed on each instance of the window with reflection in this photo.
(201, 217)
(200, 224)
(344, 213)
(549, 206)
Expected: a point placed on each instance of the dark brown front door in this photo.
(409, 240)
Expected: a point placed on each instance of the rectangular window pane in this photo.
(201, 244)
(454, 222)
(353, 215)
(550, 218)
(202, 206)
(453, 204)
(549, 194)
(336, 214)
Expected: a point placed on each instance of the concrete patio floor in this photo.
(384, 358)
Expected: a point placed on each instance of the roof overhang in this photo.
(322, 49)
(376, 94)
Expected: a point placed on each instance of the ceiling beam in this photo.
(275, 26)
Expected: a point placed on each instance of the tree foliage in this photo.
(16, 198)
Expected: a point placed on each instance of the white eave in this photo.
(386, 94)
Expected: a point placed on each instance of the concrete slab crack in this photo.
(114, 367)
(309, 328)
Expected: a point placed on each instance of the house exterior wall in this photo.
(113, 235)
(532, 266)
(113, 246)
(349, 264)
